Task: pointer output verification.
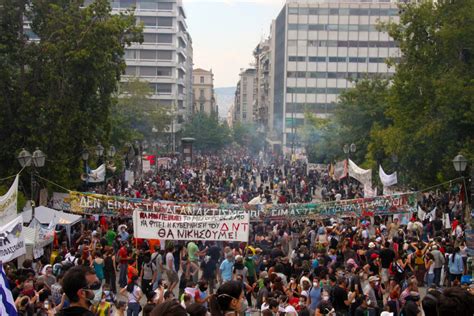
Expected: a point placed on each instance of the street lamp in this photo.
(460, 163)
(349, 149)
(99, 152)
(37, 160)
(111, 152)
(24, 158)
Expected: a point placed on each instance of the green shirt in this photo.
(250, 264)
(110, 236)
(192, 249)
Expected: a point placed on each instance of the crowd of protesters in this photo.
(381, 265)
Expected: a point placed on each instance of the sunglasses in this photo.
(94, 286)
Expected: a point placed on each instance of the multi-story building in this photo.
(245, 96)
(164, 59)
(316, 46)
(203, 86)
(262, 55)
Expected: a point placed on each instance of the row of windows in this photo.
(165, 88)
(142, 5)
(149, 71)
(333, 59)
(312, 107)
(307, 90)
(344, 11)
(335, 75)
(155, 22)
(149, 54)
(158, 38)
(328, 43)
(333, 27)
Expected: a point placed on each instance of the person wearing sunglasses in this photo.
(81, 285)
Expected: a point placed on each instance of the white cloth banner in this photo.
(8, 203)
(387, 179)
(97, 175)
(370, 192)
(153, 225)
(340, 170)
(12, 242)
(364, 176)
(129, 177)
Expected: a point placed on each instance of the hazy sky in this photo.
(225, 32)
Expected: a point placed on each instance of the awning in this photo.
(46, 215)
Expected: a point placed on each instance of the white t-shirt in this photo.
(170, 261)
(132, 297)
(291, 311)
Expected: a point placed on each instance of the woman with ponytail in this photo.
(228, 299)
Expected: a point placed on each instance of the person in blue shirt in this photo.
(226, 268)
(455, 265)
(314, 295)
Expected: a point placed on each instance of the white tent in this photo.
(46, 215)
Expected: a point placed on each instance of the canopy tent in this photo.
(46, 215)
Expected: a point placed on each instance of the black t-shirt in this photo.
(386, 257)
(75, 311)
(214, 252)
(339, 296)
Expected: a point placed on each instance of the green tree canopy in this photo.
(57, 93)
(209, 133)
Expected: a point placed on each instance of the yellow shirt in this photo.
(103, 310)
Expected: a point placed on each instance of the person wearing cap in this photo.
(374, 293)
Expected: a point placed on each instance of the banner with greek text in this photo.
(97, 204)
(364, 176)
(151, 225)
(8, 203)
(12, 243)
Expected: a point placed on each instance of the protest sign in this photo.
(8, 203)
(152, 225)
(89, 203)
(12, 243)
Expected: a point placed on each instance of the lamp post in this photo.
(99, 152)
(460, 164)
(37, 160)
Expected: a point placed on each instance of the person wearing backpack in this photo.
(148, 274)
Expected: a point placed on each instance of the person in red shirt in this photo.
(123, 264)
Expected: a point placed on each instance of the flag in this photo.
(7, 306)
(8, 203)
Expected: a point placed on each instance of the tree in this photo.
(210, 135)
(246, 135)
(431, 102)
(57, 93)
(359, 111)
(136, 115)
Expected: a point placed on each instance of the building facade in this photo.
(203, 86)
(164, 59)
(262, 55)
(245, 96)
(317, 49)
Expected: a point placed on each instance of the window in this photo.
(147, 5)
(201, 107)
(164, 71)
(131, 54)
(148, 21)
(317, 27)
(201, 79)
(148, 71)
(201, 93)
(164, 54)
(337, 59)
(297, 58)
(357, 59)
(163, 87)
(127, 3)
(317, 59)
(165, 6)
(149, 38)
(292, 10)
(165, 21)
(164, 38)
(131, 71)
(148, 54)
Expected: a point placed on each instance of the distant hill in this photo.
(225, 99)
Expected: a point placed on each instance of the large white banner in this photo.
(97, 175)
(152, 225)
(8, 203)
(387, 179)
(12, 243)
(364, 176)
(340, 170)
